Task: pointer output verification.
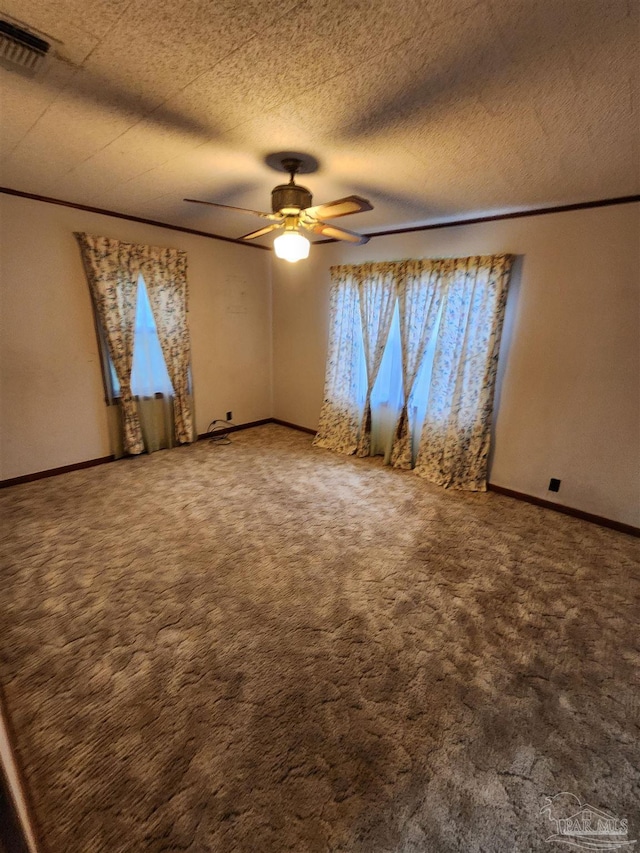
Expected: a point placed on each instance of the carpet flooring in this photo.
(267, 647)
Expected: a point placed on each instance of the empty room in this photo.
(319, 426)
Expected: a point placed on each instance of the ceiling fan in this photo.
(292, 211)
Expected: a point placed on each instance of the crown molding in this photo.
(518, 214)
(456, 223)
(87, 208)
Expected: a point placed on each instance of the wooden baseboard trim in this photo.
(233, 428)
(236, 427)
(53, 472)
(91, 463)
(567, 510)
(293, 426)
(629, 529)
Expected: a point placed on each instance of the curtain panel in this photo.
(420, 288)
(340, 415)
(112, 272)
(455, 438)
(165, 274)
(459, 304)
(378, 292)
(112, 268)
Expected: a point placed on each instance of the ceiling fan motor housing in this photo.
(290, 198)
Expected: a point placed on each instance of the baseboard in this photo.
(567, 510)
(293, 426)
(53, 472)
(224, 428)
(629, 529)
(91, 463)
(228, 427)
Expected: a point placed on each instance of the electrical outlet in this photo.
(229, 416)
(554, 485)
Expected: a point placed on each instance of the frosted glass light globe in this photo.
(291, 246)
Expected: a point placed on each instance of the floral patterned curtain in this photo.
(340, 413)
(112, 268)
(165, 274)
(420, 289)
(454, 443)
(112, 271)
(378, 293)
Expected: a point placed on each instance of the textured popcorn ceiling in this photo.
(432, 109)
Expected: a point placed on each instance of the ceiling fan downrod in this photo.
(292, 166)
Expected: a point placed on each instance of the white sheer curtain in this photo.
(417, 406)
(420, 292)
(378, 296)
(387, 395)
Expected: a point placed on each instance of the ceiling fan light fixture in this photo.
(291, 209)
(291, 246)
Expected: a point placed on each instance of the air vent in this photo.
(21, 49)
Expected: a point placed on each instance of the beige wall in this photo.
(51, 393)
(568, 402)
(568, 390)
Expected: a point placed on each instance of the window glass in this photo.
(388, 394)
(149, 374)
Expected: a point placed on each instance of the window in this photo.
(149, 374)
(388, 392)
(452, 310)
(160, 396)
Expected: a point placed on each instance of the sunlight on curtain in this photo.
(387, 395)
(378, 292)
(388, 392)
(456, 433)
(420, 287)
(429, 327)
(418, 400)
(165, 272)
(150, 384)
(343, 397)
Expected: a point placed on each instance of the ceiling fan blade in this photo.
(239, 209)
(341, 207)
(334, 232)
(261, 231)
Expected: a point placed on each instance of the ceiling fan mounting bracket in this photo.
(282, 161)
